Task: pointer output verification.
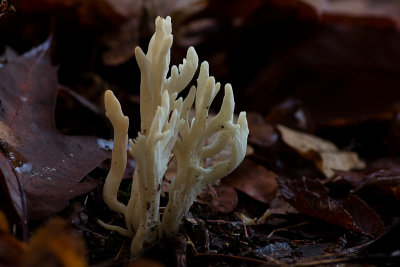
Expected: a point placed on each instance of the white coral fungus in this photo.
(166, 130)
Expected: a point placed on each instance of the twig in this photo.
(236, 258)
(244, 227)
(23, 205)
(120, 251)
(83, 228)
(212, 191)
(221, 221)
(269, 258)
(286, 228)
(190, 242)
(321, 262)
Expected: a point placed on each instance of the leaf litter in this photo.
(40, 166)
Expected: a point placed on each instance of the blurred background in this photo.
(325, 66)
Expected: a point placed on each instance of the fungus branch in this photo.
(190, 151)
(165, 128)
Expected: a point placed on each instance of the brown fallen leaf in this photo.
(45, 170)
(138, 14)
(382, 182)
(338, 65)
(4, 222)
(326, 156)
(11, 250)
(350, 178)
(95, 15)
(54, 244)
(311, 197)
(358, 8)
(292, 114)
(254, 180)
(8, 136)
(260, 133)
(220, 198)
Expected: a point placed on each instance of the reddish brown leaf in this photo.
(292, 114)
(311, 197)
(358, 8)
(11, 250)
(94, 14)
(221, 198)
(254, 180)
(47, 168)
(260, 133)
(336, 65)
(348, 177)
(55, 244)
(383, 182)
(121, 40)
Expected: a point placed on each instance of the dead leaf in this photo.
(254, 180)
(336, 64)
(220, 198)
(348, 177)
(4, 222)
(11, 250)
(326, 156)
(311, 197)
(8, 136)
(260, 133)
(339, 160)
(95, 15)
(55, 244)
(358, 8)
(292, 114)
(383, 182)
(121, 41)
(48, 169)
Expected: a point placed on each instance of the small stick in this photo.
(286, 228)
(190, 242)
(120, 251)
(244, 227)
(232, 257)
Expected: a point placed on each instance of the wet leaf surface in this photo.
(220, 198)
(311, 197)
(45, 170)
(254, 180)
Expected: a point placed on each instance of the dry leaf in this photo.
(311, 197)
(3, 222)
(11, 250)
(56, 244)
(358, 8)
(37, 162)
(326, 156)
(254, 180)
(220, 198)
